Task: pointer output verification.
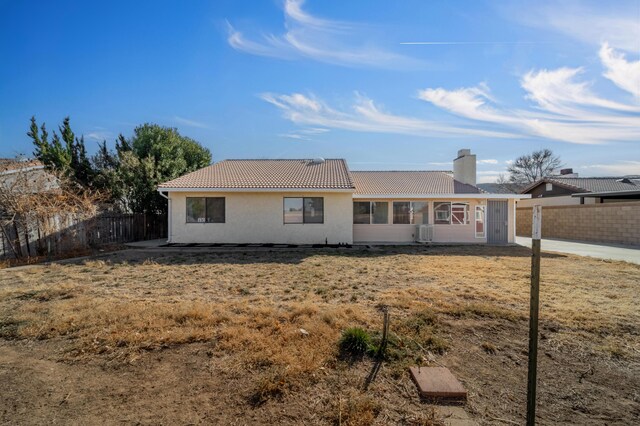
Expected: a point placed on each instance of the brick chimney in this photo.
(464, 167)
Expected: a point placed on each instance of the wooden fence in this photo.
(66, 233)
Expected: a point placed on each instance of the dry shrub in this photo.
(483, 310)
(356, 409)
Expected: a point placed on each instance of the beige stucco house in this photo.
(323, 202)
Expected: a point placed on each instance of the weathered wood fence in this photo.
(66, 233)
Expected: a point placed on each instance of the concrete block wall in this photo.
(615, 223)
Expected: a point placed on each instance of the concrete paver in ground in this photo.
(600, 251)
(455, 416)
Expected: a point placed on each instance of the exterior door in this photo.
(497, 222)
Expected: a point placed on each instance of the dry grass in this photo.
(450, 306)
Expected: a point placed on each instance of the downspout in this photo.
(515, 215)
(168, 215)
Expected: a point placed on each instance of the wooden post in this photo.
(536, 232)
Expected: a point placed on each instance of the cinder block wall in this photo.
(617, 223)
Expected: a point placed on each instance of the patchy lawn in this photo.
(192, 337)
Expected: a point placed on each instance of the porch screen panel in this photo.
(380, 212)
(420, 213)
(442, 213)
(361, 212)
(401, 212)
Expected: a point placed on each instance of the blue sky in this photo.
(293, 79)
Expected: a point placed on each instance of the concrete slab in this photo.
(438, 383)
(600, 251)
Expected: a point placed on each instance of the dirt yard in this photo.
(193, 338)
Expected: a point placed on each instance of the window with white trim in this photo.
(480, 222)
(303, 210)
(370, 212)
(205, 210)
(447, 213)
(410, 213)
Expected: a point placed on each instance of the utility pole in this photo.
(536, 232)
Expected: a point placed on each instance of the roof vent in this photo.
(624, 180)
(318, 160)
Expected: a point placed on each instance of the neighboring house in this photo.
(321, 201)
(569, 189)
(27, 176)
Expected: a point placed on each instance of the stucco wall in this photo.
(406, 233)
(605, 223)
(257, 217)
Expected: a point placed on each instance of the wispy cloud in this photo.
(318, 39)
(99, 135)
(488, 161)
(615, 22)
(190, 123)
(365, 116)
(621, 168)
(624, 74)
(563, 107)
(304, 134)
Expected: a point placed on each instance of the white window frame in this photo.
(482, 209)
(389, 213)
(466, 206)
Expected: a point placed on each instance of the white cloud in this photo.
(491, 178)
(623, 73)
(621, 168)
(99, 135)
(488, 161)
(366, 116)
(564, 108)
(190, 123)
(613, 22)
(322, 40)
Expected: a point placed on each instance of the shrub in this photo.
(355, 342)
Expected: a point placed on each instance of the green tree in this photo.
(130, 173)
(154, 154)
(65, 153)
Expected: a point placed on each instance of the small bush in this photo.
(489, 348)
(355, 342)
(436, 344)
(273, 386)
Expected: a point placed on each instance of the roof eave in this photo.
(443, 195)
(202, 189)
(606, 193)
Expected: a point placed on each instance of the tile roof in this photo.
(499, 188)
(409, 182)
(268, 174)
(592, 184)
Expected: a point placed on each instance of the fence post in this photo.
(536, 233)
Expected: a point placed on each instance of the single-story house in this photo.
(321, 201)
(570, 189)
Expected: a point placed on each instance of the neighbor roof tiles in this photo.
(410, 183)
(268, 174)
(591, 184)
